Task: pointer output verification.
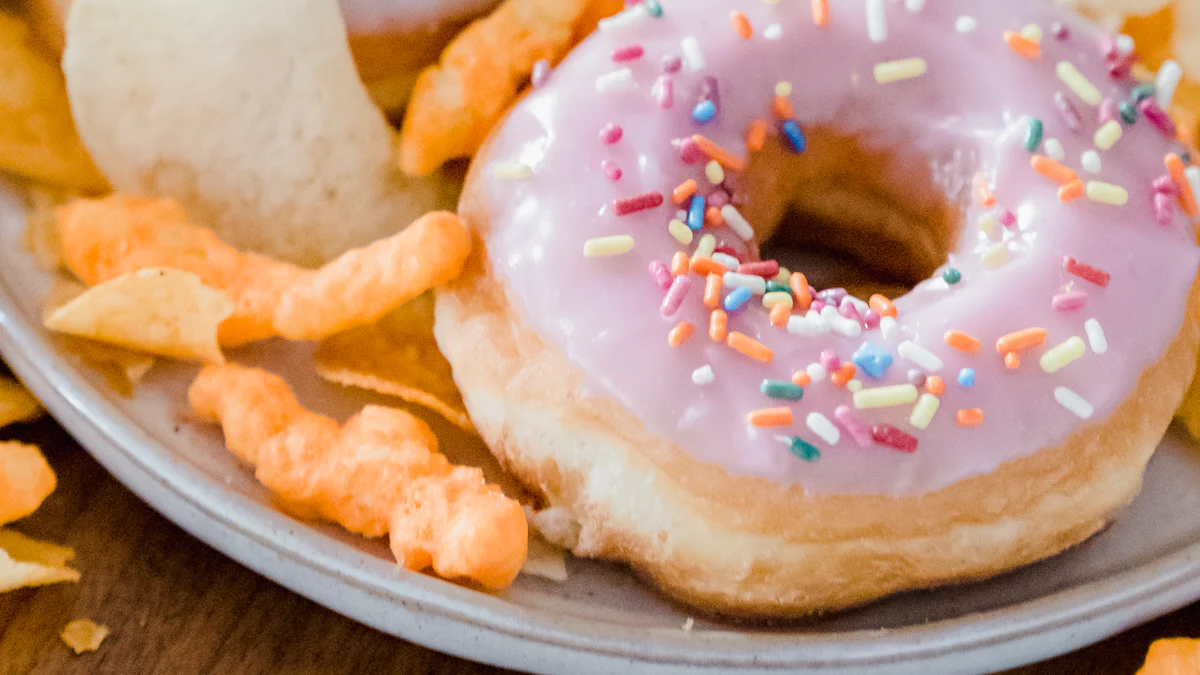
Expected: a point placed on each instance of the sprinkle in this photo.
(1022, 45)
(670, 64)
(675, 295)
(820, 11)
(689, 152)
(966, 24)
(1059, 356)
(783, 88)
(1071, 191)
(1054, 149)
(737, 223)
(896, 71)
(618, 80)
(802, 448)
(750, 347)
(773, 32)
(888, 327)
(916, 378)
(1143, 91)
(610, 170)
(1193, 178)
(923, 358)
(1068, 111)
(705, 266)
(680, 232)
(969, 417)
(780, 389)
(755, 284)
(654, 8)
(983, 192)
(889, 436)
(884, 397)
(914, 6)
(1032, 32)
(1159, 118)
(1027, 338)
(996, 256)
(800, 378)
(924, 410)
(1069, 302)
(830, 360)
(540, 73)
(962, 342)
(511, 171)
(876, 21)
(1053, 170)
(799, 285)
(1109, 111)
(628, 53)
(1033, 139)
(695, 215)
(1178, 173)
(951, 276)
(714, 172)
(990, 226)
(1166, 82)
(703, 375)
(1060, 31)
(780, 313)
(776, 298)
(737, 298)
(1106, 193)
(707, 245)
(1095, 335)
(664, 92)
(807, 326)
(822, 427)
(718, 323)
(1008, 219)
(1108, 135)
(872, 359)
(642, 202)
(1012, 360)
(727, 261)
(816, 372)
(603, 246)
(859, 431)
(704, 111)
(1164, 208)
(771, 417)
(712, 291)
(1073, 402)
(714, 151)
(692, 56)
(795, 137)
(935, 385)
(626, 19)
(1128, 112)
(767, 269)
(966, 377)
(756, 135)
(1124, 45)
(1091, 161)
(741, 25)
(1075, 80)
(680, 333)
(881, 304)
(679, 263)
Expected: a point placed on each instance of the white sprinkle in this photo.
(511, 171)
(819, 320)
(757, 285)
(860, 306)
(692, 56)
(737, 223)
(877, 20)
(966, 24)
(1167, 81)
(816, 372)
(923, 358)
(1095, 334)
(1091, 161)
(821, 426)
(630, 17)
(730, 262)
(1054, 149)
(854, 385)
(805, 327)
(840, 324)
(1073, 402)
(888, 326)
(703, 375)
(618, 80)
(914, 6)
(1125, 45)
(773, 32)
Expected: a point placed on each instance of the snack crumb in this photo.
(83, 635)
(689, 625)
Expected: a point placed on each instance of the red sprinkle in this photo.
(627, 53)
(610, 169)
(886, 434)
(649, 200)
(1086, 272)
(611, 133)
(767, 269)
(730, 251)
(1068, 302)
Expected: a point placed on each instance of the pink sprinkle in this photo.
(671, 64)
(1108, 111)
(1119, 67)
(1159, 118)
(816, 306)
(1069, 112)
(726, 248)
(690, 154)
(718, 199)
(848, 309)
(890, 436)
(611, 133)
(1164, 208)
(541, 73)
(627, 53)
(664, 92)
(1060, 31)
(661, 274)
(675, 295)
(610, 169)
(647, 200)
(871, 319)
(767, 269)
(1164, 185)
(1008, 219)
(860, 432)
(830, 360)
(1069, 302)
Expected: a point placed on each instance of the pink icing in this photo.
(962, 117)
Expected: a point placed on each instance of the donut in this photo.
(618, 337)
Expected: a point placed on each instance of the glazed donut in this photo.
(777, 463)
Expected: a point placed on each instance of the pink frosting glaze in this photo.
(966, 115)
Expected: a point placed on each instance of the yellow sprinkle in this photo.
(1056, 357)
(990, 225)
(1106, 193)
(924, 411)
(1108, 135)
(783, 88)
(1032, 32)
(885, 397)
(601, 246)
(777, 298)
(714, 172)
(511, 171)
(895, 71)
(996, 256)
(707, 245)
(1083, 87)
(784, 276)
(854, 385)
(681, 232)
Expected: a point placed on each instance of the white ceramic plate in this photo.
(602, 620)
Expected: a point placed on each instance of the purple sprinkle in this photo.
(671, 64)
(541, 73)
(1159, 118)
(690, 154)
(611, 133)
(627, 53)
(675, 295)
(664, 92)
(1164, 185)
(860, 432)
(1060, 31)
(1164, 208)
(1069, 112)
(830, 361)
(1069, 302)
(871, 319)
(1109, 111)
(1008, 219)
(610, 169)
(661, 274)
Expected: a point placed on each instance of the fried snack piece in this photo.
(378, 474)
(26, 479)
(1172, 656)
(457, 101)
(83, 635)
(16, 403)
(37, 135)
(16, 572)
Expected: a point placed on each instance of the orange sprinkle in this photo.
(1071, 191)
(741, 24)
(843, 374)
(680, 333)
(801, 379)
(1022, 45)
(969, 417)
(962, 342)
(771, 417)
(716, 325)
(935, 385)
(750, 347)
(756, 135)
(983, 192)
(1187, 198)
(724, 157)
(1022, 339)
(681, 194)
(780, 314)
(881, 305)
(820, 12)
(782, 108)
(1063, 175)
(713, 217)
(712, 290)
(1012, 361)
(679, 264)
(800, 292)
(702, 265)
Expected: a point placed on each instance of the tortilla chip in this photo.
(396, 356)
(37, 135)
(158, 311)
(16, 403)
(545, 560)
(84, 635)
(26, 479)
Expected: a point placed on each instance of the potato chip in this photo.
(16, 403)
(22, 548)
(545, 560)
(1172, 656)
(396, 356)
(160, 311)
(37, 135)
(84, 635)
(15, 574)
(26, 479)
(276, 144)
(41, 238)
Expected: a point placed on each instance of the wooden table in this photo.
(177, 607)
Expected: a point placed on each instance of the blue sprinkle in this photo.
(695, 219)
(654, 8)
(737, 298)
(704, 112)
(795, 137)
(966, 377)
(872, 359)
(802, 449)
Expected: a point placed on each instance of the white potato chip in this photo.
(26, 562)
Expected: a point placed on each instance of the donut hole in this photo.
(853, 214)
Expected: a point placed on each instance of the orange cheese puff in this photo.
(1172, 656)
(25, 480)
(457, 101)
(378, 474)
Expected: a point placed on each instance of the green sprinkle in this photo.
(781, 389)
(1034, 140)
(951, 276)
(803, 449)
(654, 8)
(1129, 112)
(776, 287)
(1143, 92)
